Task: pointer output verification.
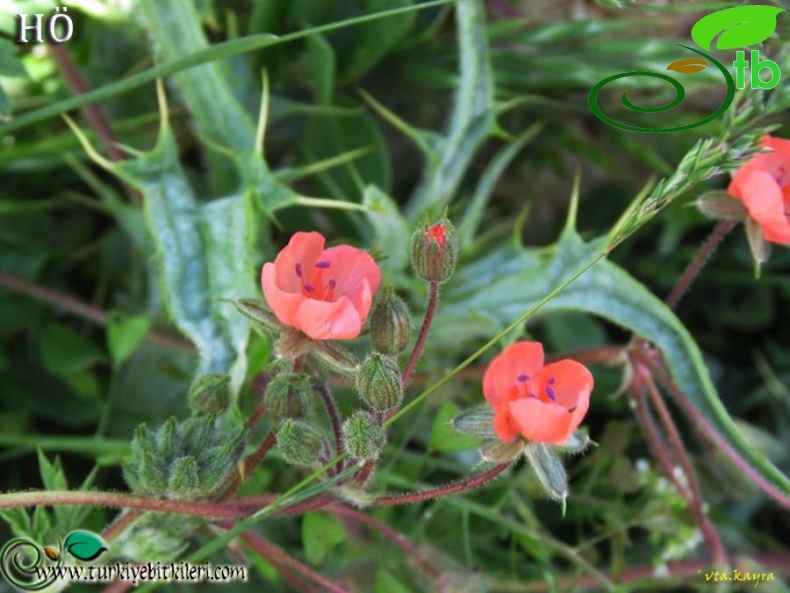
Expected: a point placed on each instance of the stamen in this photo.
(522, 378)
(551, 381)
(298, 270)
(550, 392)
(308, 287)
(322, 264)
(571, 410)
(332, 283)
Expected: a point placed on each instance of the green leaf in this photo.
(386, 582)
(64, 351)
(84, 545)
(5, 103)
(739, 26)
(390, 230)
(9, 64)
(320, 533)
(125, 334)
(489, 294)
(378, 38)
(444, 437)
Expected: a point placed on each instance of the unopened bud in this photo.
(721, 206)
(363, 437)
(209, 394)
(301, 442)
(289, 396)
(390, 324)
(379, 382)
(434, 250)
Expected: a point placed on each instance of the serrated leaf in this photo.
(487, 295)
(320, 533)
(688, 65)
(739, 26)
(125, 334)
(84, 545)
(444, 437)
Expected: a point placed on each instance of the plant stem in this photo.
(236, 479)
(695, 499)
(116, 500)
(446, 490)
(271, 552)
(695, 267)
(120, 524)
(699, 421)
(433, 299)
(89, 312)
(334, 419)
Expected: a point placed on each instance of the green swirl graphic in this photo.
(680, 94)
(19, 570)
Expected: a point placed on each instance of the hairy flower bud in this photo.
(363, 437)
(183, 460)
(379, 382)
(289, 396)
(302, 442)
(434, 250)
(209, 394)
(390, 324)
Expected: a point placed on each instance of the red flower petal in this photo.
(765, 202)
(521, 358)
(324, 320)
(572, 384)
(303, 249)
(540, 421)
(283, 304)
(356, 275)
(503, 424)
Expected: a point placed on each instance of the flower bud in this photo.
(721, 206)
(363, 437)
(379, 382)
(434, 250)
(302, 443)
(209, 394)
(183, 460)
(289, 396)
(390, 324)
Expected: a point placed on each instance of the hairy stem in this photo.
(695, 499)
(77, 307)
(433, 299)
(695, 267)
(446, 490)
(334, 419)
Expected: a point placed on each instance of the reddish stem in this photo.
(433, 300)
(334, 419)
(695, 267)
(89, 312)
(447, 490)
(696, 501)
(273, 553)
(120, 524)
(698, 420)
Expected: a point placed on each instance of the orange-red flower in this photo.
(763, 185)
(325, 293)
(539, 403)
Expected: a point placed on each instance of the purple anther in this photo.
(308, 287)
(322, 264)
(332, 283)
(551, 381)
(522, 378)
(298, 270)
(550, 392)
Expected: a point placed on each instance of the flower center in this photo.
(312, 281)
(529, 388)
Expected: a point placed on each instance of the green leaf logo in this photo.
(739, 27)
(84, 545)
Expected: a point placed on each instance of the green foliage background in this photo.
(371, 124)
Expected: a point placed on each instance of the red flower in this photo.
(540, 403)
(437, 232)
(324, 293)
(763, 185)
